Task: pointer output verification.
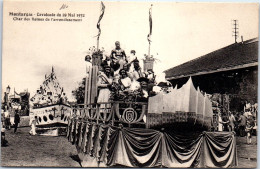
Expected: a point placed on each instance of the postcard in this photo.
(129, 84)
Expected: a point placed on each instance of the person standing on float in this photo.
(232, 121)
(104, 83)
(130, 60)
(118, 57)
(88, 69)
(220, 122)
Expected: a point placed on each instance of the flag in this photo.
(151, 24)
(100, 17)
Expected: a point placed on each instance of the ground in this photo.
(247, 154)
(26, 150)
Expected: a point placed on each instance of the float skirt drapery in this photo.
(101, 145)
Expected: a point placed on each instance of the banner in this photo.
(100, 17)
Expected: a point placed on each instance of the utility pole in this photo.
(235, 29)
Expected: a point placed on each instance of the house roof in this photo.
(235, 56)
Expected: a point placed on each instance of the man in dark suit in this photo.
(16, 120)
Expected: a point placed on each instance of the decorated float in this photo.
(142, 127)
(50, 108)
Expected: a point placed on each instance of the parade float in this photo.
(50, 108)
(20, 102)
(169, 128)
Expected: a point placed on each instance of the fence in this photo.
(114, 113)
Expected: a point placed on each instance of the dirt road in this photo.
(25, 150)
(247, 154)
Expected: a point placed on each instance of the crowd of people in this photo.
(121, 77)
(243, 123)
(6, 123)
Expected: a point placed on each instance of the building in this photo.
(231, 71)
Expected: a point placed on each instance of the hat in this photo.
(143, 79)
(133, 51)
(122, 70)
(150, 70)
(164, 84)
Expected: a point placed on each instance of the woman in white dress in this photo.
(33, 125)
(104, 83)
(124, 80)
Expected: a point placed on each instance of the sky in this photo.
(181, 32)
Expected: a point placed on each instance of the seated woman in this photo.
(104, 83)
(137, 72)
(124, 80)
(143, 90)
(123, 84)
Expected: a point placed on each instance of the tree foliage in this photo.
(79, 92)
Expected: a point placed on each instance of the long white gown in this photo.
(33, 127)
(104, 92)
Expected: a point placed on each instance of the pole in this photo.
(97, 42)
(235, 29)
(150, 33)
(149, 49)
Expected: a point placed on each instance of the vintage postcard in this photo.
(129, 84)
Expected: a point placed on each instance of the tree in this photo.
(79, 92)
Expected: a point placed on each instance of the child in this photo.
(3, 141)
(33, 125)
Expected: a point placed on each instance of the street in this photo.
(24, 150)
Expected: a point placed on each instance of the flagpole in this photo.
(150, 34)
(97, 43)
(149, 49)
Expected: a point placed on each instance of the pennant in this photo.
(151, 24)
(100, 17)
